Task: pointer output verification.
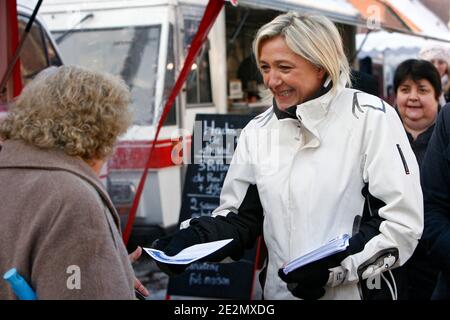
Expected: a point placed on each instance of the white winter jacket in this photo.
(309, 173)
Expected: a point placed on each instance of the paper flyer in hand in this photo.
(189, 254)
(334, 246)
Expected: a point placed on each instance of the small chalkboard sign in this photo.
(213, 143)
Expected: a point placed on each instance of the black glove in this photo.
(172, 245)
(308, 282)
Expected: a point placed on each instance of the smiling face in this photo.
(417, 104)
(291, 79)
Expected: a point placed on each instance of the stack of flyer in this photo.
(336, 245)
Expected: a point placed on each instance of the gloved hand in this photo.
(172, 245)
(308, 282)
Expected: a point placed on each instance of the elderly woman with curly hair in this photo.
(59, 227)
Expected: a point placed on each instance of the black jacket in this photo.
(435, 176)
(421, 272)
(419, 146)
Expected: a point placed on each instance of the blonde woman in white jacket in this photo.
(324, 160)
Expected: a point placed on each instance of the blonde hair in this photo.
(313, 37)
(73, 109)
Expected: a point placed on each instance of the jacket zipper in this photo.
(405, 165)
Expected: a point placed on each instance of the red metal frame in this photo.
(13, 30)
(9, 42)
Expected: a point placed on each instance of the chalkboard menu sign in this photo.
(213, 143)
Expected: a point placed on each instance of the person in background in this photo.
(250, 77)
(417, 89)
(435, 175)
(439, 56)
(417, 85)
(390, 95)
(324, 160)
(59, 227)
(363, 79)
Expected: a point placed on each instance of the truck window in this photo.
(169, 79)
(38, 52)
(128, 52)
(198, 84)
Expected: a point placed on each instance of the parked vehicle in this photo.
(38, 52)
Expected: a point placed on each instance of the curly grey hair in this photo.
(73, 109)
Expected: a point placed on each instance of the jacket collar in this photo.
(422, 139)
(315, 108)
(310, 113)
(18, 154)
(288, 113)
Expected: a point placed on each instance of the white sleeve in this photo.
(390, 168)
